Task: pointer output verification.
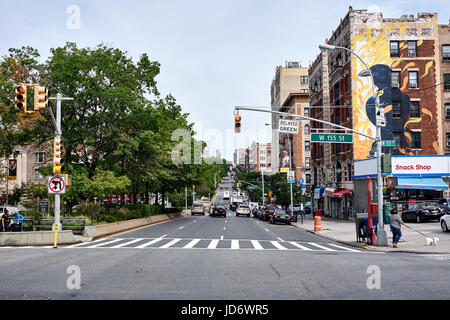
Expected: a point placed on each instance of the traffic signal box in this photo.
(40, 98)
(237, 123)
(21, 98)
(56, 155)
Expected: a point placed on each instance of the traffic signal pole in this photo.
(58, 133)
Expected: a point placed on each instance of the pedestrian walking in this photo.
(396, 223)
(4, 221)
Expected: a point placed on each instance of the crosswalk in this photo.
(224, 244)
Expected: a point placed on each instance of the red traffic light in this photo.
(21, 89)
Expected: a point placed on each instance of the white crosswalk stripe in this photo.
(222, 244)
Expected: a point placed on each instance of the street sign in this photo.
(251, 188)
(388, 143)
(43, 207)
(332, 137)
(288, 126)
(57, 185)
(291, 177)
(300, 181)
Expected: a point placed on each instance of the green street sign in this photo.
(332, 137)
(249, 187)
(388, 143)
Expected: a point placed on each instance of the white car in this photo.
(445, 222)
(243, 209)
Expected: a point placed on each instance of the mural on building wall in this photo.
(373, 47)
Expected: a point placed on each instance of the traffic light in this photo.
(21, 98)
(40, 98)
(270, 194)
(237, 123)
(56, 155)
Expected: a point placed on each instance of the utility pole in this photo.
(262, 176)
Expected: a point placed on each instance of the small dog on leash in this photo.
(432, 241)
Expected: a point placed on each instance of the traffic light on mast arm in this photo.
(21, 98)
(56, 155)
(237, 123)
(40, 98)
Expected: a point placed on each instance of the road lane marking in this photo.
(234, 244)
(224, 228)
(149, 243)
(221, 237)
(266, 229)
(277, 245)
(352, 250)
(163, 235)
(104, 243)
(180, 228)
(321, 247)
(192, 243)
(169, 244)
(300, 246)
(213, 244)
(126, 243)
(257, 245)
(80, 244)
(280, 239)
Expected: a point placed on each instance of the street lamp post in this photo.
(381, 234)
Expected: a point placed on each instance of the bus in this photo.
(226, 195)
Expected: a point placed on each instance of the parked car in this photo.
(280, 216)
(445, 222)
(197, 208)
(444, 203)
(243, 209)
(219, 210)
(419, 212)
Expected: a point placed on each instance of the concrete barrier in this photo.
(107, 229)
(33, 238)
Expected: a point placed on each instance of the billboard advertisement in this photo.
(284, 160)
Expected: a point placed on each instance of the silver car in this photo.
(243, 210)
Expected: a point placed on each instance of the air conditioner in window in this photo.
(395, 85)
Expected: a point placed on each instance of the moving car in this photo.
(280, 216)
(419, 212)
(445, 222)
(197, 208)
(243, 209)
(219, 210)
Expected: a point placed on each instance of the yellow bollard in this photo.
(56, 236)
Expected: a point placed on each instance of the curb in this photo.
(369, 248)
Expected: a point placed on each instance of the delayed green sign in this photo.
(332, 137)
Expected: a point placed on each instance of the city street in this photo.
(203, 257)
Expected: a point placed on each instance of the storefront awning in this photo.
(422, 183)
(330, 191)
(341, 193)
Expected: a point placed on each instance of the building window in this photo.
(447, 111)
(412, 48)
(413, 79)
(396, 110)
(415, 140)
(347, 83)
(308, 178)
(447, 81)
(447, 136)
(446, 52)
(40, 157)
(395, 52)
(303, 79)
(307, 161)
(307, 145)
(306, 112)
(414, 109)
(307, 129)
(395, 79)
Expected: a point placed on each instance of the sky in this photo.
(214, 54)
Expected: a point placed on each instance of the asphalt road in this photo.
(202, 257)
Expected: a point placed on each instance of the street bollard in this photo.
(56, 236)
(317, 223)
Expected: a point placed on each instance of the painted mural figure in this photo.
(389, 96)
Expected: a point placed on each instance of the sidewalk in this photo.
(344, 231)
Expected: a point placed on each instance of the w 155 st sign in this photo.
(288, 126)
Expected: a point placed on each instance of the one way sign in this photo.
(57, 185)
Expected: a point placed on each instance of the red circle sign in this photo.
(56, 184)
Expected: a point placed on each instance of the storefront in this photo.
(413, 179)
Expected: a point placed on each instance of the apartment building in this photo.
(260, 157)
(288, 79)
(403, 57)
(444, 81)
